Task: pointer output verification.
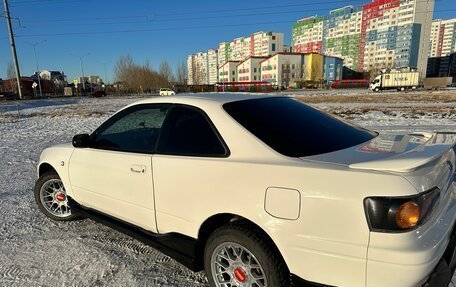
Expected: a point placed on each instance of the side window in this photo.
(188, 132)
(134, 130)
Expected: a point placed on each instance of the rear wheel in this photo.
(237, 255)
(51, 197)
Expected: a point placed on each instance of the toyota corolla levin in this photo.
(263, 191)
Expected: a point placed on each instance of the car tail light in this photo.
(396, 214)
(408, 215)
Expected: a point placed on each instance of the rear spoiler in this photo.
(437, 145)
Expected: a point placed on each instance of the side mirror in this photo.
(82, 140)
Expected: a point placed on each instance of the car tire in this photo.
(246, 248)
(51, 197)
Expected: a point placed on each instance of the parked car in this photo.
(166, 92)
(263, 191)
(99, 94)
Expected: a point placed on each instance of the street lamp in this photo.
(82, 68)
(105, 69)
(36, 62)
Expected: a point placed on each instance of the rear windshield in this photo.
(295, 129)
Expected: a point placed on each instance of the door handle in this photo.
(138, 168)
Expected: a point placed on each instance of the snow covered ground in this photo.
(38, 252)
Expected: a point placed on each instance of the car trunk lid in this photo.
(426, 160)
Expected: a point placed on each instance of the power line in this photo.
(155, 15)
(40, 3)
(170, 29)
(198, 18)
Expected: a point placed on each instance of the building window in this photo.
(254, 70)
(273, 47)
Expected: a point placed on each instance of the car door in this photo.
(190, 159)
(114, 175)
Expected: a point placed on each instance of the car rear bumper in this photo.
(424, 257)
(442, 274)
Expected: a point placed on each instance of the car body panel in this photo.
(115, 183)
(331, 233)
(322, 234)
(58, 157)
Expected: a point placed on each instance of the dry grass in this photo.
(412, 97)
(436, 112)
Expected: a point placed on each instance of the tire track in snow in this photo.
(14, 274)
(132, 245)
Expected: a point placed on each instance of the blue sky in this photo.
(147, 30)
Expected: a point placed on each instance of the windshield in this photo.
(295, 129)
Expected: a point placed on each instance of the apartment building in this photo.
(296, 69)
(249, 70)
(377, 35)
(443, 38)
(212, 66)
(444, 66)
(259, 44)
(202, 68)
(228, 72)
(191, 70)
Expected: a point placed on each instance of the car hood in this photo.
(395, 153)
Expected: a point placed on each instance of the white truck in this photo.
(400, 81)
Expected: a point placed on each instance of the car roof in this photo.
(201, 99)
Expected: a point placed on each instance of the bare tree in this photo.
(10, 71)
(122, 69)
(137, 78)
(11, 75)
(181, 73)
(376, 70)
(165, 71)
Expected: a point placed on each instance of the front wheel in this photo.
(237, 255)
(51, 197)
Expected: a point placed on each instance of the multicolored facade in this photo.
(260, 44)
(443, 38)
(293, 69)
(249, 70)
(228, 72)
(378, 35)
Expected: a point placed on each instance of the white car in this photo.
(263, 191)
(167, 92)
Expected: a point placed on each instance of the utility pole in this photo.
(36, 62)
(82, 69)
(13, 48)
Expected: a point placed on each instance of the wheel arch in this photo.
(45, 167)
(218, 220)
(50, 166)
